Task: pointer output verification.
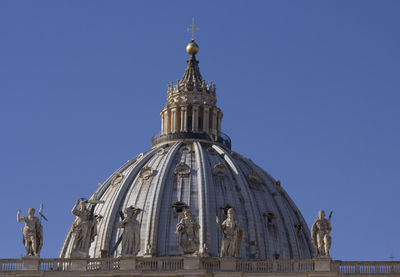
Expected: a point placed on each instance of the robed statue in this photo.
(131, 235)
(84, 229)
(32, 232)
(232, 235)
(188, 231)
(320, 234)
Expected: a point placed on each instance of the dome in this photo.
(208, 179)
(191, 167)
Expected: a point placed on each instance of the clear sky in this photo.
(310, 91)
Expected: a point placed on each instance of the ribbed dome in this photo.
(208, 179)
(191, 166)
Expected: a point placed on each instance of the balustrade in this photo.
(211, 264)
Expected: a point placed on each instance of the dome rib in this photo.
(203, 186)
(253, 224)
(152, 226)
(120, 196)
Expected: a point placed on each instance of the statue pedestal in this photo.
(128, 264)
(191, 263)
(79, 265)
(30, 263)
(322, 264)
(228, 264)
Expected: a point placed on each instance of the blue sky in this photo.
(309, 90)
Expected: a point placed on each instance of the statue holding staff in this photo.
(84, 229)
(32, 232)
(232, 235)
(131, 236)
(320, 234)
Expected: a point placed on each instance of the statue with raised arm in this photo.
(320, 234)
(131, 235)
(232, 235)
(187, 229)
(84, 229)
(32, 232)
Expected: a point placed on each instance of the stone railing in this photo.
(366, 268)
(10, 267)
(275, 266)
(159, 264)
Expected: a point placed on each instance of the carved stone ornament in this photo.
(179, 207)
(235, 155)
(220, 170)
(188, 231)
(182, 169)
(160, 152)
(254, 177)
(32, 233)
(117, 179)
(232, 235)
(146, 173)
(270, 217)
(186, 149)
(139, 157)
(320, 234)
(130, 239)
(84, 230)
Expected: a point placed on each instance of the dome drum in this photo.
(159, 139)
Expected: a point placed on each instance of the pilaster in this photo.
(191, 263)
(228, 264)
(78, 265)
(214, 122)
(30, 263)
(322, 264)
(183, 119)
(195, 118)
(162, 123)
(206, 119)
(166, 120)
(173, 120)
(219, 123)
(128, 264)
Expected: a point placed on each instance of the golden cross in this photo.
(193, 29)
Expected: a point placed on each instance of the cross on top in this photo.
(192, 29)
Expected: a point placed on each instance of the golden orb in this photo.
(192, 48)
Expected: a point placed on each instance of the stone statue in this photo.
(84, 229)
(187, 229)
(232, 235)
(320, 234)
(131, 235)
(32, 232)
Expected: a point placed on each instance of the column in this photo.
(206, 119)
(195, 118)
(214, 122)
(173, 120)
(166, 120)
(219, 123)
(162, 122)
(183, 119)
